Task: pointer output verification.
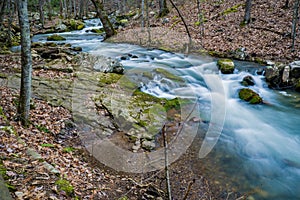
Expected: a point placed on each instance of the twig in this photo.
(188, 189)
(167, 164)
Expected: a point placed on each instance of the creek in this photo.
(257, 150)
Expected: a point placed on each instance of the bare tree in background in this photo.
(143, 16)
(294, 24)
(26, 61)
(11, 9)
(41, 11)
(49, 10)
(286, 4)
(163, 8)
(185, 25)
(2, 10)
(247, 16)
(108, 28)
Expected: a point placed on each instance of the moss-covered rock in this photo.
(98, 31)
(73, 24)
(168, 75)
(297, 87)
(226, 66)
(249, 95)
(55, 37)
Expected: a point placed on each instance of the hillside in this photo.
(267, 37)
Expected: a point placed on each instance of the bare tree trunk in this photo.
(81, 9)
(247, 17)
(49, 10)
(294, 24)
(286, 4)
(10, 18)
(163, 8)
(108, 28)
(148, 23)
(185, 25)
(200, 18)
(143, 16)
(65, 9)
(61, 8)
(75, 11)
(41, 11)
(2, 10)
(26, 60)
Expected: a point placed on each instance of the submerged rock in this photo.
(249, 95)
(248, 81)
(226, 66)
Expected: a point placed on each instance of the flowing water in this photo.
(258, 150)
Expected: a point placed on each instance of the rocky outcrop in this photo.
(283, 76)
(101, 63)
(250, 96)
(226, 66)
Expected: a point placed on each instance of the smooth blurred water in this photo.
(259, 146)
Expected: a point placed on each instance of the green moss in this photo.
(10, 187)
(9, 129)
(68, 149)
(3, 171)
(80, 27)
(108, 78)
(47, 145)
(168, 75)
(98, 31)
(197, 23)
(232, 9)
(65, 186)
(55, 37)
(144, 97)
(123, 198)
(249, 95)
(297, 87)
(42, 128)
(226, 66)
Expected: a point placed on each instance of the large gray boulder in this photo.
(295, 69)
(101, 63)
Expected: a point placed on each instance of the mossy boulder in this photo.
(55, 37)
(74, 24)
(297, 87)
(250, 96)
(226, 66)
(98, 31)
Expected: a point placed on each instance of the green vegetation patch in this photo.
(55, 37)
(68, 149)
(42, 128)
(108, 78)
(65, 186)
(47, 145)
(168, 75)
(232, 9)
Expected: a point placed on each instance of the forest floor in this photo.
(52, 138)
(267, 37)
